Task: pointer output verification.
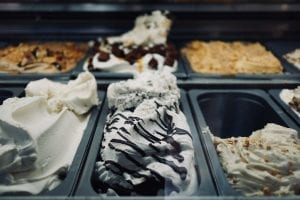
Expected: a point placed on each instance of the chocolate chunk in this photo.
(159, 49)
(153, 64)
(131, 57)
(140, 51)
(103, 56)
(57, 66)
(117, 51)
(169, 61)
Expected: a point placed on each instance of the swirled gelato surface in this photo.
(291, 97)
(144, 48)
(265, 163)
(40, 133)
(147, 145)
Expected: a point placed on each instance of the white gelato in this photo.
(40, 133)
(147, 147)
(293, 58)
(148, 29)
(265, 163)
(133, 51)
(292, 99)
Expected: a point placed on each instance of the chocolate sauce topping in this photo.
(169, 61)
(164, 132)
(117, 51)
(103, 56)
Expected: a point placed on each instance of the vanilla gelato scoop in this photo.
(40, 133)
(148, 29)
(147, 147)
(78, 95)
(265, 163)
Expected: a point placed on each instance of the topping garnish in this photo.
(153, 63)
(103, 56)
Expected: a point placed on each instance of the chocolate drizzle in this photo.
(163, 132)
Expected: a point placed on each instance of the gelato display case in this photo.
(172, 99)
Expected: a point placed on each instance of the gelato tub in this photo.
(96, 169)
(68, 175)
(288, 71)
(144, 48)
(232, 113)
(37, 59)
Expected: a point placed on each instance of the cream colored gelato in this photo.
(265, 163)
(40, 133)
(293, 57)
(292, 99)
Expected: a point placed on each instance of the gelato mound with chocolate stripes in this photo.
(147, 146)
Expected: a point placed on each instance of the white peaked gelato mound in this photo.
(148, 85)
(78, 95)
(265, 163)
(147, 147)
(148, 29)
(40, 133)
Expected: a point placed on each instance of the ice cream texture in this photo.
(291, 97)
(147, 145)
(265, 163)
(40, 133)
(293, 57)
(144, 48)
